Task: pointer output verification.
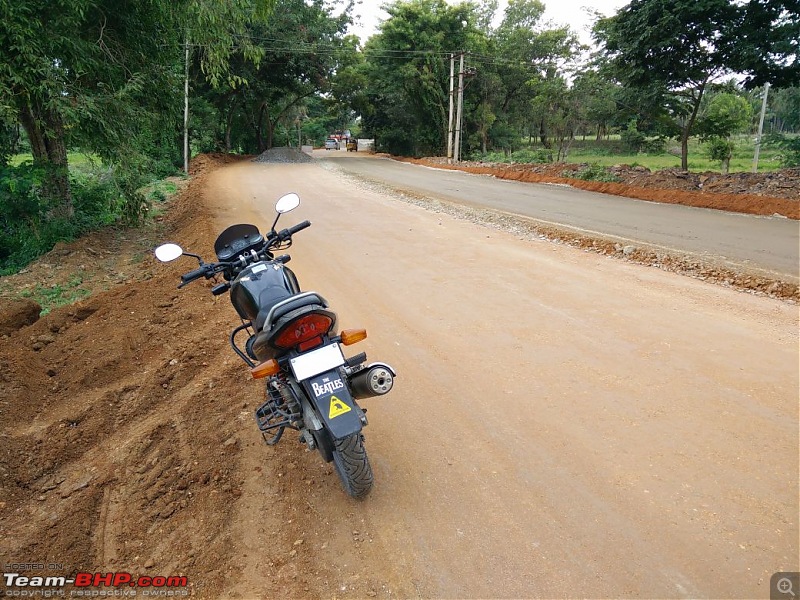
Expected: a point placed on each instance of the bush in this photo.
(541, 155)
(633, 140)
(593, 172)
(790, 149)
(655, 146)
(28, 228)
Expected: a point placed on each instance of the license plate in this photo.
(317, 361)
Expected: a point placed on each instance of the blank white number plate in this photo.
(317, 361)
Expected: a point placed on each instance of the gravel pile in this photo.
(283, 155)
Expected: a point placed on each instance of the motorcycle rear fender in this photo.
(338, 411)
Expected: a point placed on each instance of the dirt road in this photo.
(563, 424)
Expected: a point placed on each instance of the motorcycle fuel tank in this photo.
(261, 286)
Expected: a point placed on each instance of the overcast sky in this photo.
(560, 12)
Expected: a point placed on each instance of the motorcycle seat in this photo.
(271, 314)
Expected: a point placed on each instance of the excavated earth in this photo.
(121, 444)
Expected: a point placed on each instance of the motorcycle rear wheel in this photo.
(352, 464)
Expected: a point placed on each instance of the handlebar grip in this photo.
(299, 227)
(192, 275)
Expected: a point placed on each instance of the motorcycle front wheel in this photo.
(352, 464)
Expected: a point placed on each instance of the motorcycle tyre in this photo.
(352, 464)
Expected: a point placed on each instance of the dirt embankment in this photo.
(751, 193)
(114, 454)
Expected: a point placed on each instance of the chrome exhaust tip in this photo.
(376, 379)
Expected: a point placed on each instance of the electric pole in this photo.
(457, 149)
(450, 112)
(760, 127)
(186, 110)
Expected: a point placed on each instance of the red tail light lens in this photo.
(303, 329)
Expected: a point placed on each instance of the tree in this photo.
(408, 70)
(725, 115)
(670, 50)
(525, 54)
(86, 71)
(300, 49)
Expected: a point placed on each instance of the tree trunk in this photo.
(687, 129)
(685, 149)
(45, 130)
(726, 164)
(543, 135)
(259, 125)
(229, 125)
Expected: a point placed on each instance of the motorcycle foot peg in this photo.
(376, 379)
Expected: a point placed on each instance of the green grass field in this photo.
(608, 153)
(77, 160)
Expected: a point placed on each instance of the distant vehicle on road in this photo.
(331, 144)
(352, 145)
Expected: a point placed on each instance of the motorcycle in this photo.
(293, 342)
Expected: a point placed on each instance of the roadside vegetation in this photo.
(611, 151)
(92, 95)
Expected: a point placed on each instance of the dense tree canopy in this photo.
(671, 50)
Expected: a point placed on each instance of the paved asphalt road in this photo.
(756, 243)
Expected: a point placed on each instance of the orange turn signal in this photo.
(351, 336)
(265, 369)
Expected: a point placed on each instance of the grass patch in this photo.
(50, 297)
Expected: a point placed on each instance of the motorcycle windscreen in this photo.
(331, 398)
(234, 239)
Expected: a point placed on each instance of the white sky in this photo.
(560, 12)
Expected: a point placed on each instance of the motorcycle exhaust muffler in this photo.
(376, 379)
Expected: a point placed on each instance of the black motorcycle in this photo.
(294, 343)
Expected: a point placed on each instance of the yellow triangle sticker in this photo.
(337, 408)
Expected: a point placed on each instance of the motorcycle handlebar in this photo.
(290, 231)
(196, 274)
(299, 227)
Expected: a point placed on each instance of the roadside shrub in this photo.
(655, 146)
(102, 197)
(541, 155)
(633, 140)
(593, 172)
(789, 147)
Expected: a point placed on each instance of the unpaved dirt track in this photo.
(563, 424)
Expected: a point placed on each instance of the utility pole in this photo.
(450, 112)
(457, 150)
(760, 127)
(186, 110)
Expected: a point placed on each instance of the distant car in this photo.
(331, 144)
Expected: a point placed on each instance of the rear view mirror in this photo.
(287, 203)
(168, 252)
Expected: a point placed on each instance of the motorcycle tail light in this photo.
(303, 329)
(352, 336)
(312, 343)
